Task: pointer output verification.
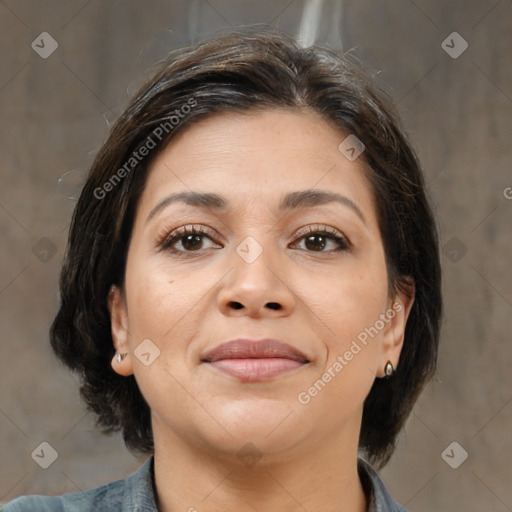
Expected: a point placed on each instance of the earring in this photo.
(120, 357)
(388, 369)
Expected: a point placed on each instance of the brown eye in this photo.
(315, 242)
(321, 240)
(192, 242)
(187, 240)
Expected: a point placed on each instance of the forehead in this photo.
(258, 156)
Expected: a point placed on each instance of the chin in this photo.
(269, 424)
(253, 444)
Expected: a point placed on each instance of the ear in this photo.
(119, 330)
(398, 311)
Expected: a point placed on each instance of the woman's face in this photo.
(246, 251)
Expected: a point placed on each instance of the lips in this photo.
(255, 360)
(252, 349)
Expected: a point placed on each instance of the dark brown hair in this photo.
(241, 72)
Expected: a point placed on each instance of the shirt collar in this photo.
(139, 491)
(378, 497)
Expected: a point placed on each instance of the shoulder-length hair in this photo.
(246, 71)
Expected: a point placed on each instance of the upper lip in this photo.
(244, 348)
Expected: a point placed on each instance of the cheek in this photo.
(351, 305)
(148, 290)
(350, 310)
(351, 297)
(160, 307)
(165, 302)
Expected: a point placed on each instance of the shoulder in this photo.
(126, 494)
(100, 498)
(27, 503)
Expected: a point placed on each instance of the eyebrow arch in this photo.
(200, 200)
(292, 201)
(308, 198)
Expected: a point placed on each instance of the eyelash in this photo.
(166, 241)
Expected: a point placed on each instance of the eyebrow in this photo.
(292, 201)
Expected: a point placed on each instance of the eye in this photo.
(321, 239)
(188, 239)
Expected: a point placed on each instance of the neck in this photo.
(322, 477)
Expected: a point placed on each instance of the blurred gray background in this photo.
(457, 107)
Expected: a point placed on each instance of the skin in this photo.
(185, 304)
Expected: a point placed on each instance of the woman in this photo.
(251, 290)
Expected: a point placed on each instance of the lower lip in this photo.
(256, 370)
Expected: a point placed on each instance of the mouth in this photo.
(255, 360)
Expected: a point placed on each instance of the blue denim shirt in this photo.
(135, 494)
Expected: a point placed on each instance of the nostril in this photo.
(273, 305)
(235, 305)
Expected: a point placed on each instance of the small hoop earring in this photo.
(388, 369)
(120, 357)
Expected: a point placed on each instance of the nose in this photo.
(256, 288)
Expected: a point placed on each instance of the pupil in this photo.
(191, 242)
(315, 242)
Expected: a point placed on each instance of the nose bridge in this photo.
(254, 286)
